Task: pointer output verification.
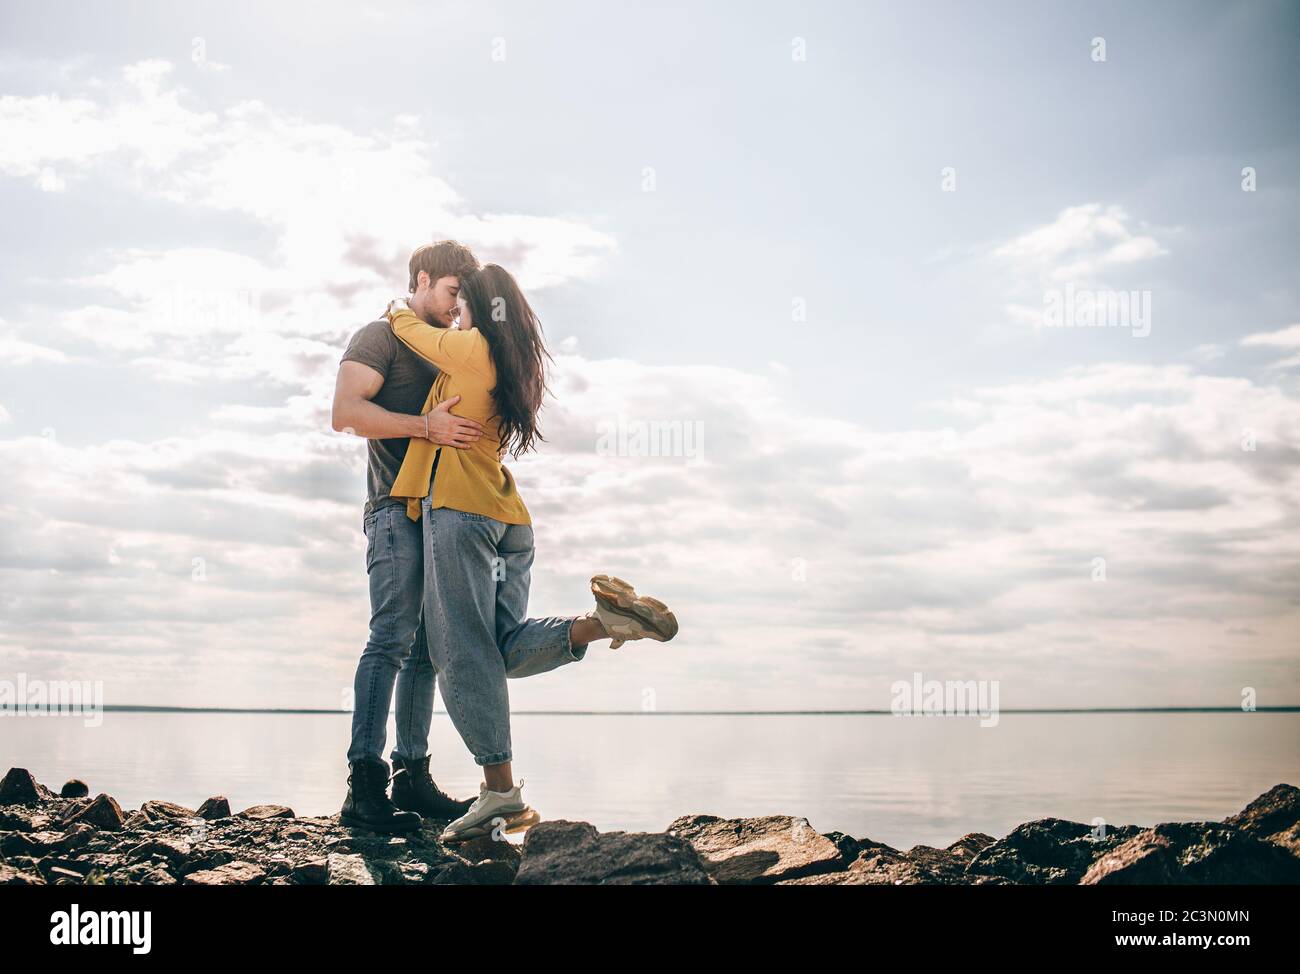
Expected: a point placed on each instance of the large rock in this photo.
(18, 787)
(758, 850)
(313, 872)
(1194, 853)
(1047, 852)
(103, 813)
(74, 788)
(574, 853)
(486, 848)
(881, 865)
(214, 808)
(1274, 817)
(231, 874)
(260, 813)
(158, 811)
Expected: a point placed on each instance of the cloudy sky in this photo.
(823, 242)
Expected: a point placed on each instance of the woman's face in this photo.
(466, 323)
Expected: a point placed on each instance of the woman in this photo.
(478, 538)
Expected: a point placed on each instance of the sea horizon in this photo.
(155, 708)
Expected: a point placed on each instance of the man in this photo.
(380, 390)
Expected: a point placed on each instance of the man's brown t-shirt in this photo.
(407, 380)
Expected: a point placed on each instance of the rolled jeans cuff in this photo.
(501, 757)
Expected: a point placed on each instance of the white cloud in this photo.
(1082, 242)
(946, 548)
(15, 351)
(1083, 247)
(1288, 337)
(344, 210)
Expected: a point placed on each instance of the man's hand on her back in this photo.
(448, 430)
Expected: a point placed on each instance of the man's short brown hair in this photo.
(446, 258)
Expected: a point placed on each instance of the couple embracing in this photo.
(449, 542)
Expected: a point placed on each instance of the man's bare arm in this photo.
(354, 412)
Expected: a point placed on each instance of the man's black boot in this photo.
(415, 791)
(368, 806)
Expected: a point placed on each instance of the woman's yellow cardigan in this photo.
(473, 479)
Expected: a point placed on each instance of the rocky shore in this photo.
(73, 838)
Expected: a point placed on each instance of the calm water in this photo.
(900, 780)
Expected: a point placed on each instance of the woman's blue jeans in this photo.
(476, 576)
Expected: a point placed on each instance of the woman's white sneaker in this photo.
(490, 810)
(626, 615)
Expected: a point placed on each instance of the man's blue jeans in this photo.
(396, 651)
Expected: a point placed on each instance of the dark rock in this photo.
(209, 860)
(278, 865)
(167, 811)
(1288, 839)
(569, 853)
(849, 847)
(231, 874)
(314, 872)
(11, 876)
(69, 810)
(103, 813)
(75, 788)
(489, 872)
(758, 850)
(152, 876)
(1194, 853)
(261, 813)
(1047, 852)
(1274, 817)
(486, 849)
(176, 853)
(44, 843)
(18, 787)
(21, 844)
(882, 865)
(214, 808)
(16, 818)
(971, 845)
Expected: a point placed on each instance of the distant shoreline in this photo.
(134, 708)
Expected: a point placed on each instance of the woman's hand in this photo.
(446, 429)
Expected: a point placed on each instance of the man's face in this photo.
(435, 302)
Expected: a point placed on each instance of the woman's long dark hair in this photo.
(500, 311)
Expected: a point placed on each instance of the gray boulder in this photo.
(574, 853)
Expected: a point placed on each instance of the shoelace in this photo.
(382, 797)
(433, 786)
